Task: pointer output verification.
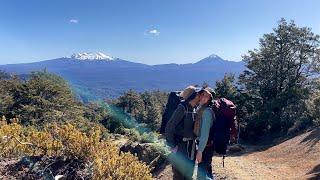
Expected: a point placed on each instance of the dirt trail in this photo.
(236, 167)
(243, 167)
(296, 158)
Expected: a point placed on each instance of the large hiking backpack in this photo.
(224, 126)
(174, 100)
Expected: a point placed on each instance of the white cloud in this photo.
(74, 21)
(154, 32)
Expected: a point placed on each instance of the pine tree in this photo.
(131, 103)
(153, 117)
(226, 87)
(8, 85)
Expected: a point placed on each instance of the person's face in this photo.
(197, 99)
(204, 98)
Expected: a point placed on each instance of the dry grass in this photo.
(100, 158)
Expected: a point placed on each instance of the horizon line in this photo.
(126, 59)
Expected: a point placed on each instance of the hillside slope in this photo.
(296, 158)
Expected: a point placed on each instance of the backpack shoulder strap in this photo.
(184, 105)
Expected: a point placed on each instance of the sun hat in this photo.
(210, 91)
(190, 93)
(186, 93)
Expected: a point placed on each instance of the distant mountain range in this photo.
(96, 75)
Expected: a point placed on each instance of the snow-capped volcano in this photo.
(91, 56)
(214, 56)
(99, 75)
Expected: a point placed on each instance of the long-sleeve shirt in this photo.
(206, 123)
(175, 119)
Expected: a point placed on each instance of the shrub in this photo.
(148, 137)
(132, 134)
(113, 124)
(67, 141)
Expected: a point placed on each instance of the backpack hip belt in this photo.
(193, 149)
(193, 143)
(185, 139)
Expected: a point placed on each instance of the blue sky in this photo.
(148, 31)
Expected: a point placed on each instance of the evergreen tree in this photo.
(278, 76)
(45, 98)
(226, 87)
(131, 103)
(8, 85)
(153, 116)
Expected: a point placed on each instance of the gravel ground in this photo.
(295, 158)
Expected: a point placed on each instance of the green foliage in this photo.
(113, 125)
(44, 97)
(313, 104)
(145, 107)
(149, 137)
(226, 87)
(133, 135)
(316, 111)
(8, 85)
(130, 102)
(277, 82)
(42, 111)
(96, 112)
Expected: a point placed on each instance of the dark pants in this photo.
(182, 166)
(205, 167)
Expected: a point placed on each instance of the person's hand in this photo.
(199, 157)
(174, 150)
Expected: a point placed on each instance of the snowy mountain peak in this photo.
(214, 56)
(211, 59)
(91, 56)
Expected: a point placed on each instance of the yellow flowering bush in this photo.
(104, 158)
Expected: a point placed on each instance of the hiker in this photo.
(180, 137)
(215, 126)
(204, 121)
(174, 99)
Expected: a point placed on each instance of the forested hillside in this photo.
(44, 127)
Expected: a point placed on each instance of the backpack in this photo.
(224, 126)
(174, 100)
